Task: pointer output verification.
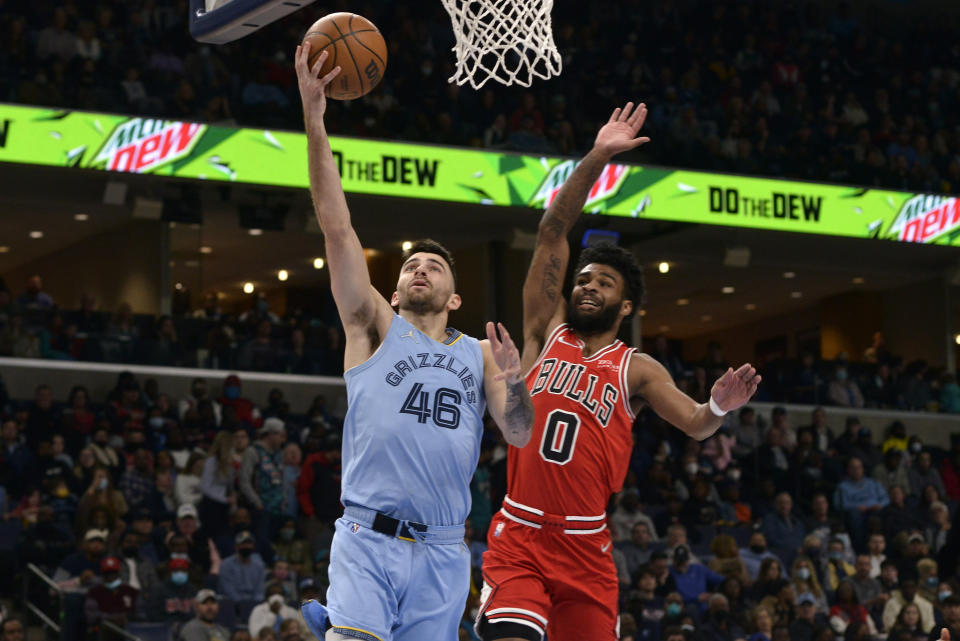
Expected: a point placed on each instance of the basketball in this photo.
(356, 45)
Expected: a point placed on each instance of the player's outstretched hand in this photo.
(620, 132)
(505, 354)
(945, 634)
(313, 90)
(735, 388)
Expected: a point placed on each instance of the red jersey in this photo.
(582, 438)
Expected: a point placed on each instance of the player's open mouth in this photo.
(587, 303)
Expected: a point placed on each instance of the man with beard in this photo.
(549, 566)
(411, 438)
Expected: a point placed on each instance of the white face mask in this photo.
(691, 468)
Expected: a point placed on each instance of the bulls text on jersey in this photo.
(562, 378)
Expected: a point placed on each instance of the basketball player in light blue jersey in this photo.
(417, 389)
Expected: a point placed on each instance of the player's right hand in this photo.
(313, 90)
(620, 132)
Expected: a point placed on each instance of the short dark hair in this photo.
(621, 260)
(430, 246)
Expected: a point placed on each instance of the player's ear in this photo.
(626, 307)
(454, 302)
(395, 300)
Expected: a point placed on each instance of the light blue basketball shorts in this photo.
(385, 588)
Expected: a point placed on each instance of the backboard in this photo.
(222, 21)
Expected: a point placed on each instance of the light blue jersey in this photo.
(411, 437)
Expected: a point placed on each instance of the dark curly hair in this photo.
(430, 246)
(621, 260)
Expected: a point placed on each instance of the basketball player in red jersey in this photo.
(549, 566)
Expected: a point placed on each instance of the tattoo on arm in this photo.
(551, 278)
(517, 414)
(567, 206)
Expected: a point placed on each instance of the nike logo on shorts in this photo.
(605, 547)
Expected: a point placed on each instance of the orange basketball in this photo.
(356, 45)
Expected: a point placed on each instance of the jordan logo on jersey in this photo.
(564, 379)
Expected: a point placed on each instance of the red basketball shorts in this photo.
(548, 573)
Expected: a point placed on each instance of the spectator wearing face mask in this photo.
(242, 575)
(112, 600)
(843, 391)
(757, 552)
(173, 600)
(244, 409)
(297, 551)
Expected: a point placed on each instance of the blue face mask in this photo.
(803, 573)
(113, 585)
(933, 581)
(232, 392)
(156, 422)
(178, 578)
(673, 609)
(943, 595)
(842, 375)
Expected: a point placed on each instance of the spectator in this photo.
(203, 626)
(785, 528)
(290, 630)
(272, 612)
(296, 551)
(907, 626)
(869, 591)
(848, 611)
(34, 298)
(857, 497)
(762, 622)
(309, 591)
(11, 629)
(100, 495)
(756, 553)
(836, 569)
(876, 545)
(897, 517)
(261, 354)
(187, 525)
(137, 483)
(726, 558)
(198, 393)
(244, 410)
(939, 531)
(77, 572)
(318, 489)
(187, 486)
(105, 454)
(922, 474)
(111, 600)
(843, 391)
(17, 460)
(43, 419)
(809, 620)
(666, 585)
(908, 594)
(892, 472)
(692, 579)
(951, 618)
(217, 483)
(137, 571)
(261, 476)
(629, 513)
(927, 582)
(292, 458)
(173, 601)
(646, 606)
(805, 581)
(243, 574)
(718, 624)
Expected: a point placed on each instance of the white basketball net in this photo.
(510, 41)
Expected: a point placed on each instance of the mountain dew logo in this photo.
(140, 145)
(923, 218)
(609, 182)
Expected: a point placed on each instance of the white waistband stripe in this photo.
(518, 611)
(519, 520)
(587, 518)
(529, 624)
(520, 506)
(599, 529)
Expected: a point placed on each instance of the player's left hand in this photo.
(620, 132)
(505, 354)
(735, 388)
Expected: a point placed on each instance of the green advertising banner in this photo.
(112, 142)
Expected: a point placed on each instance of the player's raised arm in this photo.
(542, 295)
(361, 307)
(649, 379)
(508, 398)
